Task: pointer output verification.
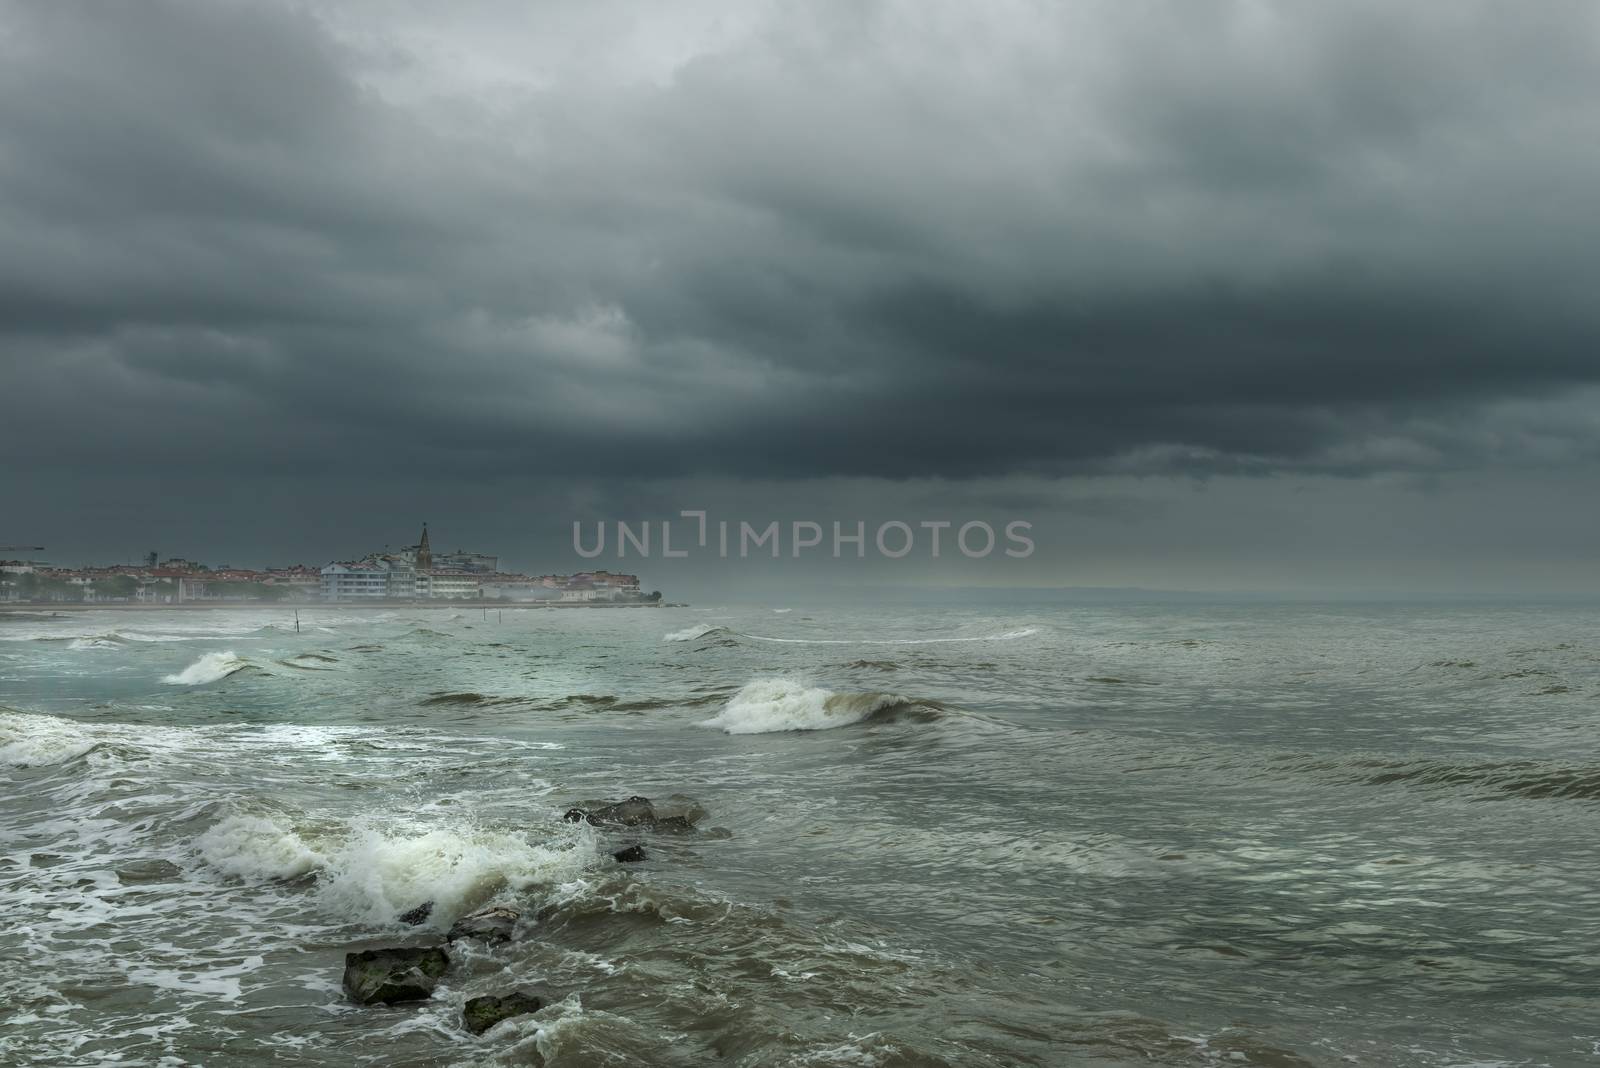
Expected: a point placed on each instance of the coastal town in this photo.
(412, 573)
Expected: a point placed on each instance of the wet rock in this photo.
(640, 812)
(492, 924)
(633, 812)
(148, 871)
(387, 976)
(417, 916)
(481, 1013)
(632, 855)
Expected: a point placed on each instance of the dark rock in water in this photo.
(480, 1014)
(148, 871)
(635, 812)
(418, 915)
(630, 813)
(493, 924)
(387, 976)
(632, 855)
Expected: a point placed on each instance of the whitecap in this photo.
(699, 630)
(369, 872)
(257, 847)
(1010, 635)
(212, 667)
(767, 705)
(97, 641)
(380, 871)
(29, 740)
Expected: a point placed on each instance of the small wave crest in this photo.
(464, 697)
(212, 667)
(1534, 780)
(309, 662)
(1010, 635)
(97, 641)
(764, 706)
(699, 630)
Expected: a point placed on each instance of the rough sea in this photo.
(1142, 834)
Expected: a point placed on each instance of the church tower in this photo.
(424, 553)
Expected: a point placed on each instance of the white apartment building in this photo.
(356, 582)
(447, 584)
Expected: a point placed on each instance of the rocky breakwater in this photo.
(395, 975)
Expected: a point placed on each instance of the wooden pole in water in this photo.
(297, 621)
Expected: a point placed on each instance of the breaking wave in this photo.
(371, 873)
(212, 667)
(765, 706)
(711, 630)
(699, 630)
(28, 740)
(98, 641)
(257, 847)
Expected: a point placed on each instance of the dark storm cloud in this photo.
(846, 240)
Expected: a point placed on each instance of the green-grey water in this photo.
(1132, 834)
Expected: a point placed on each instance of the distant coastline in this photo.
(24, 608)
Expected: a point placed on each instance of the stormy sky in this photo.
(1241, 295)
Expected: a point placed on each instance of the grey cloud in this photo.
(838, 240)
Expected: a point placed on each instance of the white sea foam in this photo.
(99, 641)
(217, 984)
(371, 873)
(774, 704)
(379, 872)
(699, 630)
(29, 740)
(257, 847)
(867, 1051)
(211, 667)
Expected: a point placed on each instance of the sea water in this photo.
(1182, 834)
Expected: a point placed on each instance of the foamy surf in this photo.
(257, 847)
(212, 667)
(28, 740)
(97, 641)
(370, 872)
(765, 706)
